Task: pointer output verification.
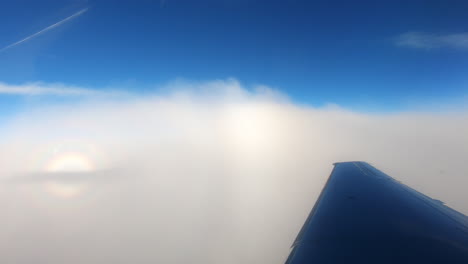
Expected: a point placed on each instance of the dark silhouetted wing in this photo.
(365, 216)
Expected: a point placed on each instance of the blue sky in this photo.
(374, 55)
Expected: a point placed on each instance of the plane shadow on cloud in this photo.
(99, 176)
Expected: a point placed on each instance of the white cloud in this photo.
(209, 173)
(38, 88)
(428, 41)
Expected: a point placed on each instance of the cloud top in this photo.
(210, 172)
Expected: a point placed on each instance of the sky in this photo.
(203, 131)
(370, 55)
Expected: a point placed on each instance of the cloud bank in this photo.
(420, 40)
(209, 173)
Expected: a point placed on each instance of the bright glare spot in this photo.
(68, 163)
(252, 130)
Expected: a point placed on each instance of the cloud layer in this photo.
(420, 40)
(210, 173)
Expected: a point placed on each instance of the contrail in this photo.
(46, 29)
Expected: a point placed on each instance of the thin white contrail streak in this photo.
(45, 29)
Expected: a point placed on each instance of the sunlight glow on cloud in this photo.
(70, 162)
(67, 163)
(214, 170)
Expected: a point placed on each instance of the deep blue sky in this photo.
(317, 52)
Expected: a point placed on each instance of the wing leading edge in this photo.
(365, 216)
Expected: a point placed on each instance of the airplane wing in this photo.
(364, 216)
